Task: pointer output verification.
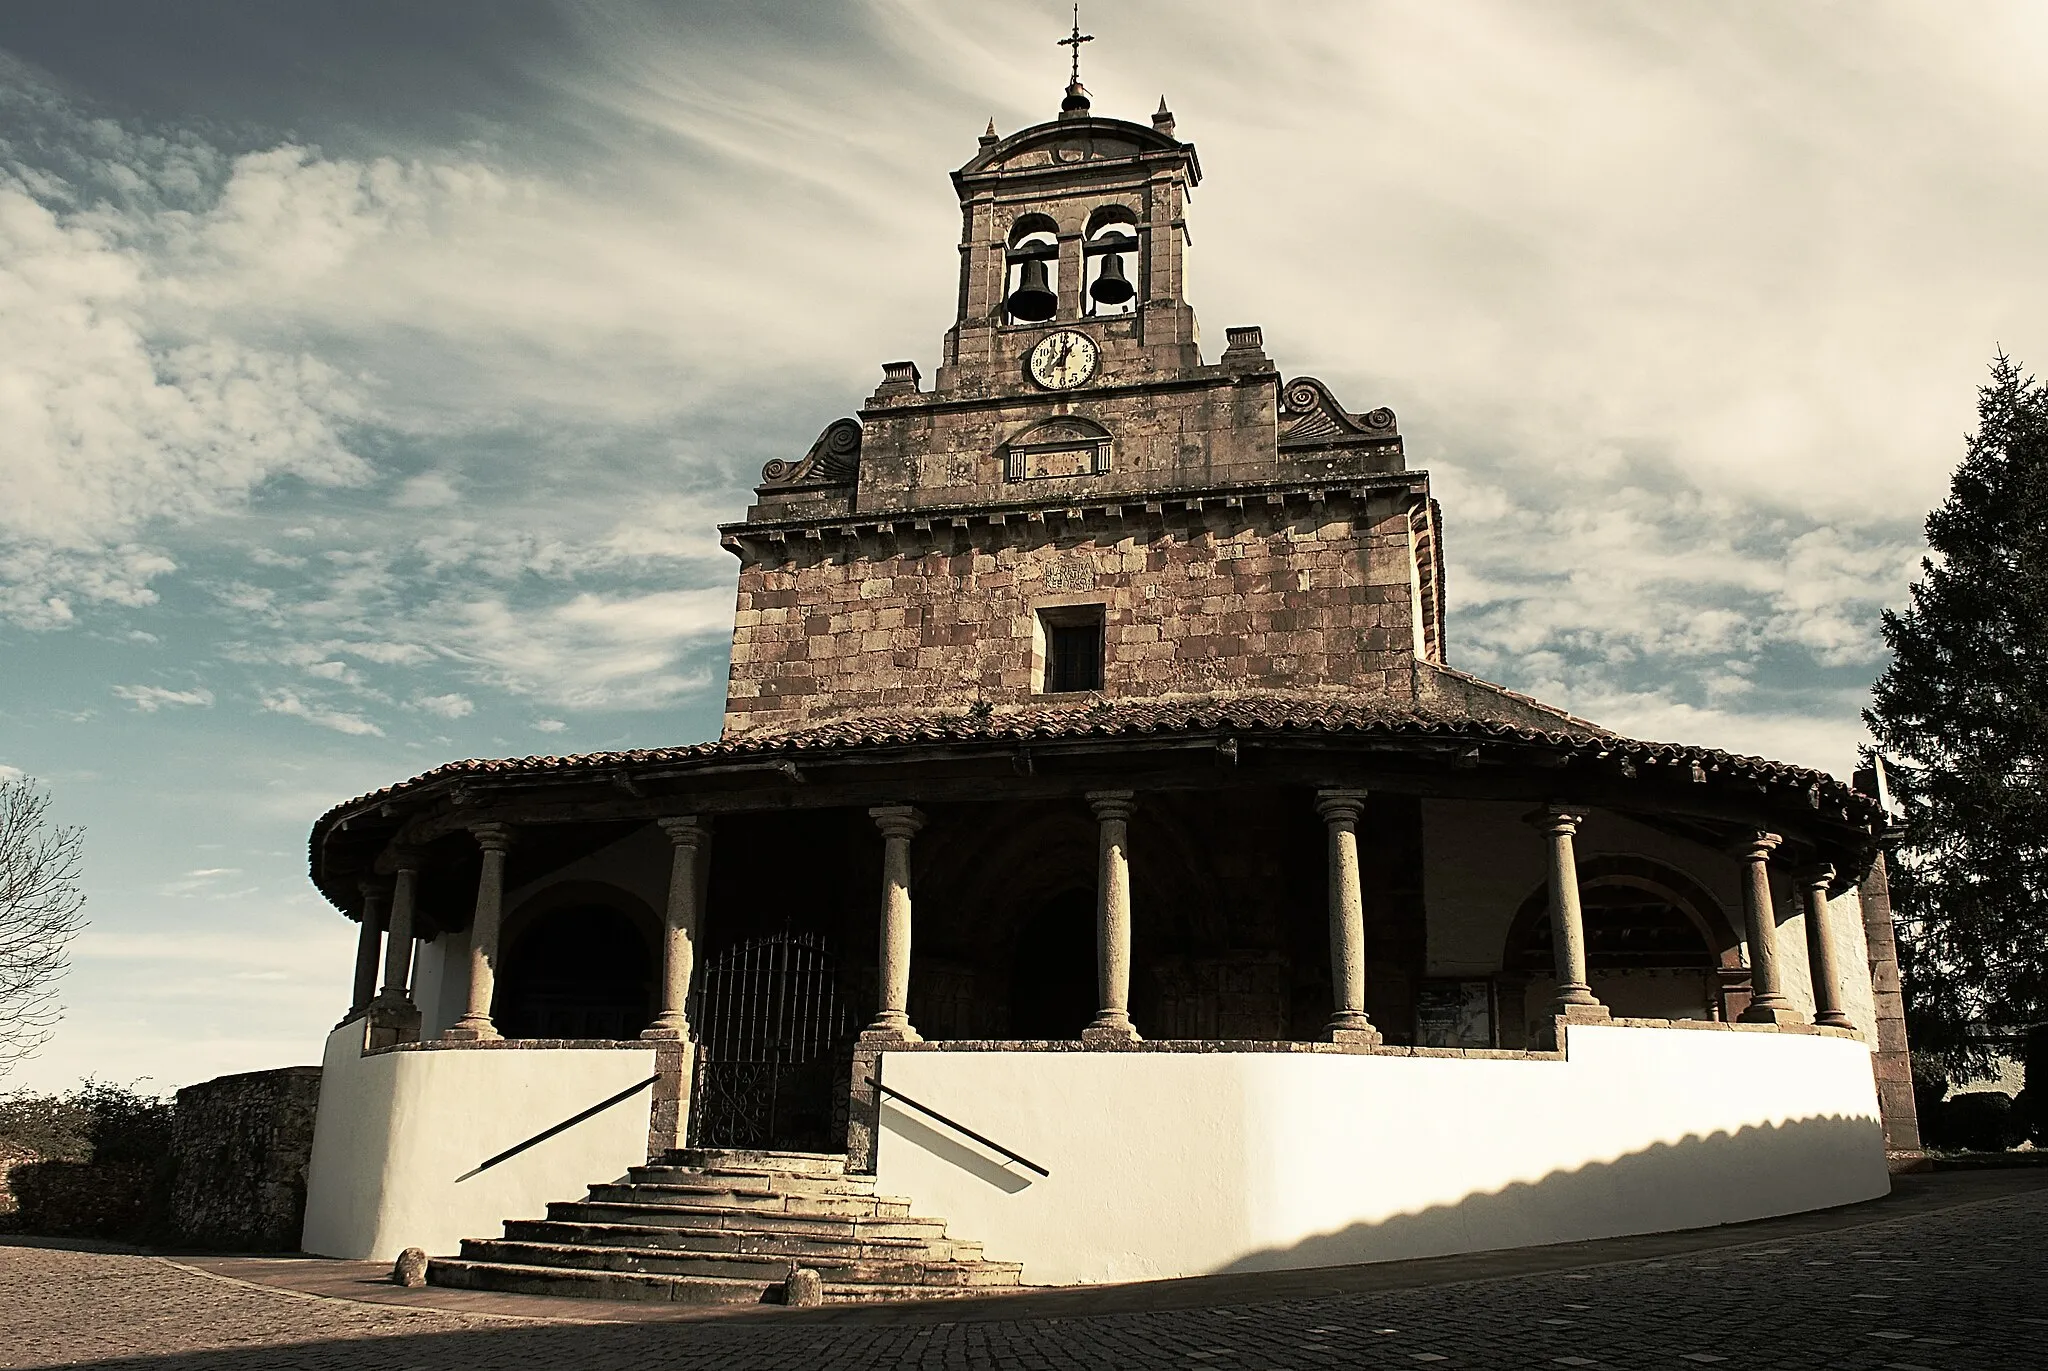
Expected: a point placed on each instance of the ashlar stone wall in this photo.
(1295, 590)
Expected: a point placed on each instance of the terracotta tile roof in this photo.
(1511, 718)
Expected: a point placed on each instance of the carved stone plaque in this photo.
(1074, 571)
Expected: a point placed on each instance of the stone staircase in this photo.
(728, 1227)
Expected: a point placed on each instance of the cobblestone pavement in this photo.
(1963, 1287)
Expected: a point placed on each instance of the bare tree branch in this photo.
(41, 911)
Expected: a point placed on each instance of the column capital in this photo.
(1112, 804)
(1820, 876)
(1557, 818)
(1756, 847)
(685, 830)
(897, 821)
(1340, 805)
(405, 857)
(492, 837)
(373, 890)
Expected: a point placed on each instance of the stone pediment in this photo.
(1066, 446)
(1072, 142)
(1310, 417)
(834, 460)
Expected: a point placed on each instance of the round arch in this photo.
(1528, 939)
(582, 959)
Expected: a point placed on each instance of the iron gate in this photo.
(775, 1046)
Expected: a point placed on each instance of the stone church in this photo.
(1102, 872)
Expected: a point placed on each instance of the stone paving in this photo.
(1961, 1287)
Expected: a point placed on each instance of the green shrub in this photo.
(1982, 1121)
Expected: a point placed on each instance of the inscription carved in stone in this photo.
(1075, 571)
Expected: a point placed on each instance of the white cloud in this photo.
(450, 706)
(548, 725)
(149, 699)
(341, 721)
(592, 652)
(431, 490)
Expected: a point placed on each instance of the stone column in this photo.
(1820, 949)
(398, 945)
(393, 1017)
(475, 1024)
(892, 1019)
(368, 947)
(1112, 1026)
(688, 837)
(1767, 1003)
(1575, 1000)
(1348, 1022)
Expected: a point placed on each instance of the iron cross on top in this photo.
(1075, 39)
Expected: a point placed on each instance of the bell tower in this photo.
(1079, 510)
(1081, 220)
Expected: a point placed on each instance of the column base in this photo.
(1834, 1018)
(1354, 1037)
(1580, 1011)
(472, 1029)
(1110, 1032)
(1352, 1028)
(882, 1031)
(1782, 1014)
(666, 1029)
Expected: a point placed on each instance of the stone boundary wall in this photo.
(241, 1145)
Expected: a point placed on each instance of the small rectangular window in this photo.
(1073, 648)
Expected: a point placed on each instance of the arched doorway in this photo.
(1053, 988)
(1658, 944)
(578, 970)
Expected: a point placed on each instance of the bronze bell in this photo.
(1033, 299)
(1111, 286)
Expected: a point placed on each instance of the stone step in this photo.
(732, 1267)
(457, 1274)
(750, 1198)
(748, 1159)
(751, 1182)
(737, 1240)
(690, 1216)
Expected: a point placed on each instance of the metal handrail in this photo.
(628, 1093)
(989, 1143)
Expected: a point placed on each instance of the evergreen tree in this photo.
(1962, 717)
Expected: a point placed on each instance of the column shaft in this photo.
(1820, 951)
(1767, 1002)
(475, 1024)
(892, 1018)
(1340, 810)
(1575, 1002)
(1112, 1024)
(688, 836)
(398, 945)
(369, 939)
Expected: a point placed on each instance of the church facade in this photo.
(1101, 854)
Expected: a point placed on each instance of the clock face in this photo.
(1063, 360)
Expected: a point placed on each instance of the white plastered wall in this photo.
(396, 1129)
(1172, 1164)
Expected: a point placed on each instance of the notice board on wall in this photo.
(1454, 1014)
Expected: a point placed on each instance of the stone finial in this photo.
(1162, 118)
(410, 1270)
(899, 378)
(989, 137)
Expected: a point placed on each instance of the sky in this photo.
(372, 375)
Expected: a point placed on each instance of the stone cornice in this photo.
(1164, 507)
